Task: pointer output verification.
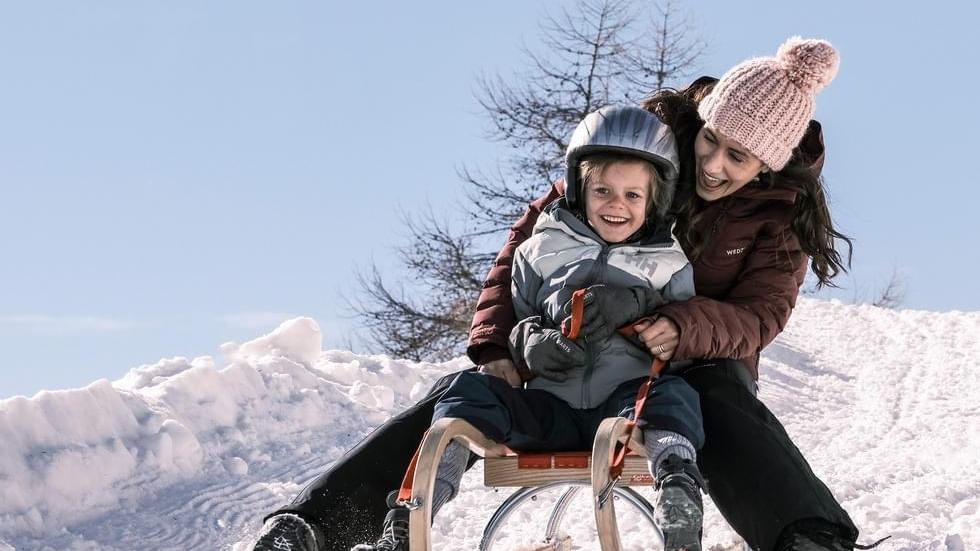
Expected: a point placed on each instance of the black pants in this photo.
(755, 475)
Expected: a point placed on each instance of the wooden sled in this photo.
(533, 474)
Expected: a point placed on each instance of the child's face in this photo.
(616, 200)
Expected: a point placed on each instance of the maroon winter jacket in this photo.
(747, 276)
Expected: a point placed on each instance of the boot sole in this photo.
(680, 520)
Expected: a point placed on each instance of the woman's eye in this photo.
(736, 158)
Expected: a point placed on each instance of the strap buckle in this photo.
(410, 504)
(606, 491)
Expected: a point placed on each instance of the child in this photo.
(608, 236)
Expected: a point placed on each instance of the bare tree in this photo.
(676, 44)
(604, 52)
(443, 268)
(893, 294)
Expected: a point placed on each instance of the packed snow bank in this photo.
(886, 406)
(184, 454)
(72, 455)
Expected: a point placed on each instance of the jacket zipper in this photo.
(716, 223)
(600, 266)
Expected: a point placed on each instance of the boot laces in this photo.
(395, 533)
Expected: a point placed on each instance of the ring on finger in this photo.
(660, 349)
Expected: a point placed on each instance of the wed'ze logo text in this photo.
(733, 252)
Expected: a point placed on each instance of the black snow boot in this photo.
(819, 535)
(679, 511)
(394, 534)
(287, 532)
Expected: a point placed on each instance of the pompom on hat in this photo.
(766, 103)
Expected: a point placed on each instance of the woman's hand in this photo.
(661, 336)
(503, 368)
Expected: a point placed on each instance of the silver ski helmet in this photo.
(627, 130)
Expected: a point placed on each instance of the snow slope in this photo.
(190, 454)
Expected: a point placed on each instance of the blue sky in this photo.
(179, 174)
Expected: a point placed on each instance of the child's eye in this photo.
(633, 195)
(600, 190)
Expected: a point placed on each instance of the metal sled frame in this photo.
(542, 471)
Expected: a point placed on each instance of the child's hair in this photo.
(591, 166)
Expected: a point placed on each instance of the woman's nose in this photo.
(714, 163)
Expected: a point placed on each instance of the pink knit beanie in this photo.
(766, 103)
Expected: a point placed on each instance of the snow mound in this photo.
(70, 456)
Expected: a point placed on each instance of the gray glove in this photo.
(608, 308)
(545, 352)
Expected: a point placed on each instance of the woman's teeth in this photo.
(711, 182)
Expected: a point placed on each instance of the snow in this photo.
(192, 453)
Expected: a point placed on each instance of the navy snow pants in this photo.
(536, 420)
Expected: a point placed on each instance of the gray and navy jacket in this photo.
(563, 255)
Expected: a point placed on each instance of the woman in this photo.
(750, 211)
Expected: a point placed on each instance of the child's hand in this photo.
(545, 352)
(608, 308)
(549, 354)
(503, 368)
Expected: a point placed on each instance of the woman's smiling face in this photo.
(617, 199)
(724, 166)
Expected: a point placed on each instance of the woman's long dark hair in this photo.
(812, 222)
